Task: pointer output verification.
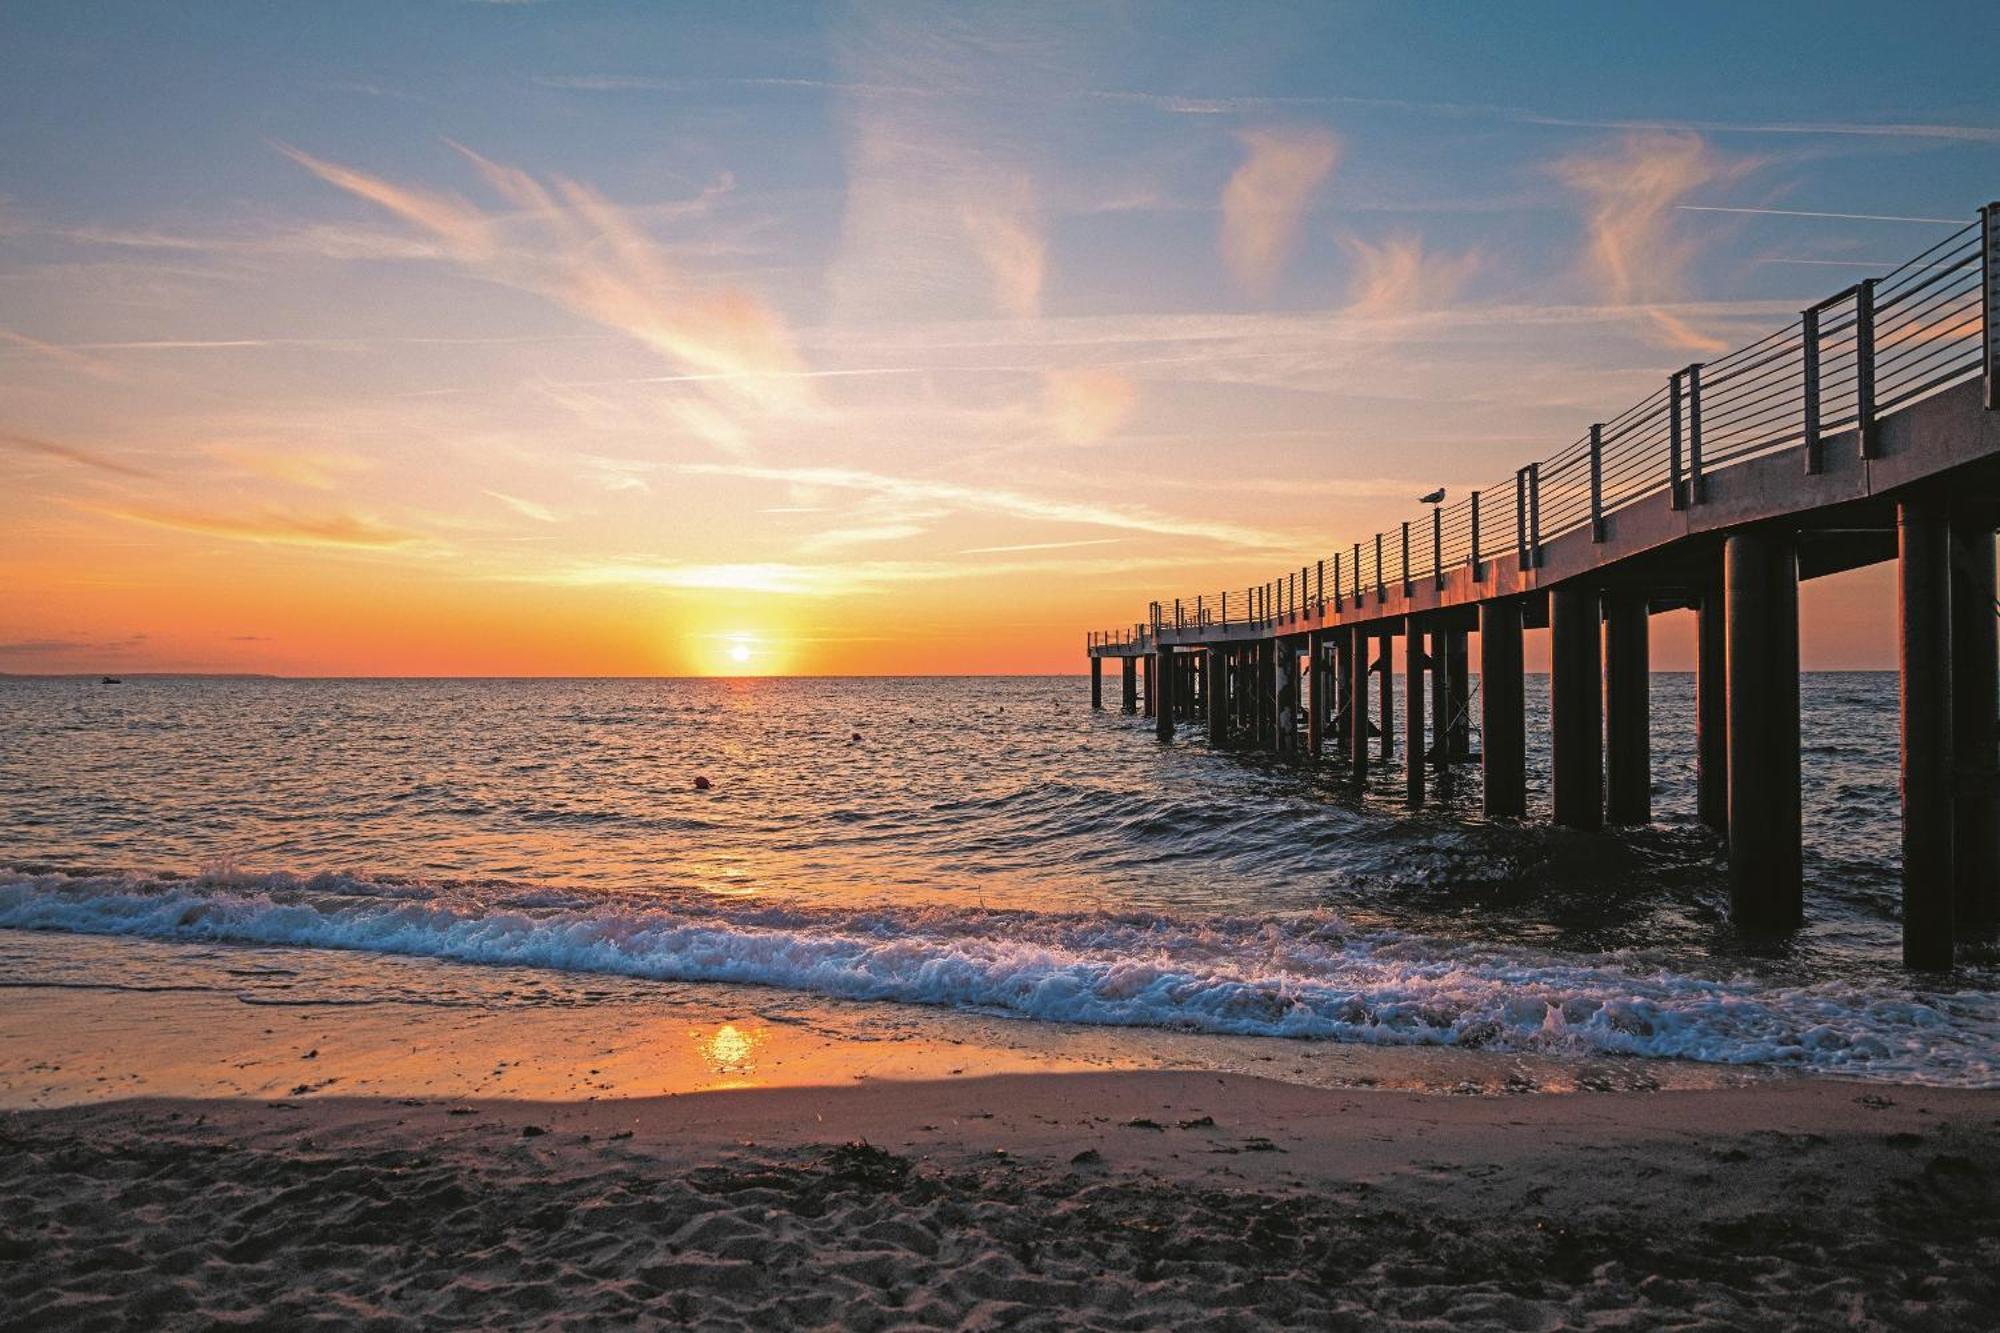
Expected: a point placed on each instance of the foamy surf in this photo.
(1296, 976)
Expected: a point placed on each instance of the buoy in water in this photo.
(702, 784)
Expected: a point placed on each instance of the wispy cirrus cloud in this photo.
(1007, 235)
(315, 469)
(541, 513)
(71, 647)
(1396, 277)
(1011, 504)
(267, 525)
(571, 245)
(70, 453)
(1265, 200)
(1630, 190)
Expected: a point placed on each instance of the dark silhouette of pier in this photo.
(1867, 430)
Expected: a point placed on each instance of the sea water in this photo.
(990, 845)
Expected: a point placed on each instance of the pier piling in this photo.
(1627, 685)
(1218, 696)
(1413, 712)
(1502, 710)
(1761, 604)
(1163, 707)
(1576, 702)
(1711, 710)
(1288, 697)
(1316, 682)
(1975, 721)
(1924, 624)
(1128, 702)
(1097, 684)
(1458, 662)
(1387, 671)
(1357, 704)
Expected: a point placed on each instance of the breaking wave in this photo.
(1305, 976)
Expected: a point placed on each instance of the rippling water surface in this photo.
(984, 843)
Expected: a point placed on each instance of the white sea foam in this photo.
(1293, 976)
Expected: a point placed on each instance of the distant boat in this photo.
(112, 680)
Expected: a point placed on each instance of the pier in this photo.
(1866, 430)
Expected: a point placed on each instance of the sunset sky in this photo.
(579, 338)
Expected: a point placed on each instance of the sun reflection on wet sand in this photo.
(731, 1052)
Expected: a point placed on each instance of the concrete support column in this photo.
(1924, 618)
(1163, 709)
(1627, 724)
(1128, 701)
(1217, 676)
(1316, 679)
(1444, 688)
(1097, 684)
(1357, 703)
(1458, 653)
(1264, 684)
(1238, 696)
(1576, 700)
(1146, 681)
(1975, 723)
(1413, 712)
(1761, 603)
(1342, 681)
(1288, 696)
(1503, 706)
(1388, 675)
(1711, 711)
(1440, 669)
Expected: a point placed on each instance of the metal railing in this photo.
(1879, 345)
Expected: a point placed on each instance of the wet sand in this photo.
(1114, 1198)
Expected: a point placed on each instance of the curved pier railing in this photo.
(1879, 345)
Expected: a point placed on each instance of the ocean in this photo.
(984, 845)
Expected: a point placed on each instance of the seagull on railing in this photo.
(1436, 497)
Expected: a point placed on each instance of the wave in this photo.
(1299, 976)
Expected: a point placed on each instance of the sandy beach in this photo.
(1108, 1198)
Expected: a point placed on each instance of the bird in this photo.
(1436, 497)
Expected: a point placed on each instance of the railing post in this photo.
(1535, 513)
(1336, 580)
(1989, 305)
(1198, 618)
(1693, 377)
(1809, 362)
(1437, 547)
(1473, 560)
(1319, 589)
(1179, 624)
(1357, 575)
(1225, 610)
(1405, 571)
(1381, 587)
(1597, 470)
(1521, 515)
(1864, 367)
(1676, 478)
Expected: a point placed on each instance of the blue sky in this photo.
(906, 321)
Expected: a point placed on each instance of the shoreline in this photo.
(1123, 1199)
(359, 1141)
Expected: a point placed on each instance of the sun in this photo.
(737, 650)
